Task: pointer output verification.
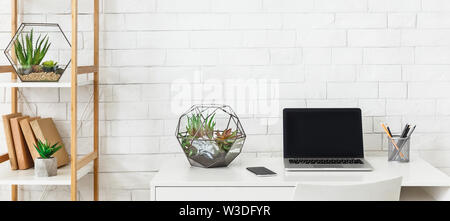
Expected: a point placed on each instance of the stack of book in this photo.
(21, 134)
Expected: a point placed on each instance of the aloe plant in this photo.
(28, 54)
(45, 150)
(194, 125)
(209, 126)
(198, 128)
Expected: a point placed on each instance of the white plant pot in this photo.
(45, 167)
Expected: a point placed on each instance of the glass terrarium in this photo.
(39, 52)
(210, 135)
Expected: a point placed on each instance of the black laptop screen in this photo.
(330, 133)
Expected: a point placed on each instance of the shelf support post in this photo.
(13, 75)
(14, 188)
(73, 104)
(96, 95)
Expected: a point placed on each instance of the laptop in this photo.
(323, 139)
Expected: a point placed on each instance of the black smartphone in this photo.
(261, 171)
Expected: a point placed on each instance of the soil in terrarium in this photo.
(41, 76)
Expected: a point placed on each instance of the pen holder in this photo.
(398, 149)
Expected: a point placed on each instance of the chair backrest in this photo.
(383, 190)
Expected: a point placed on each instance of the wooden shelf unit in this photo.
(77, 168)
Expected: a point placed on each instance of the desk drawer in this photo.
(197, 193)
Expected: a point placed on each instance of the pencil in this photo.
(412, 130)
(392, 140)
(389, 130)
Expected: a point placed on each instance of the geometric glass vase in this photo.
(39, 52)
(210, 135)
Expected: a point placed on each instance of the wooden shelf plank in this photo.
(86, 69)
(62, 84)
(26, 177)
(6, 69)
(86, 159)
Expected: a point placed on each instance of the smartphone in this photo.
(261, 171)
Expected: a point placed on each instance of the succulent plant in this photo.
(209, 126)
(45, 150)
(186, 143)
(225, 139)
(198, 128)
(194, 125)
(49, 66)
(29, 55)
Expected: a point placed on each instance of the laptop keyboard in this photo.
(325, 161)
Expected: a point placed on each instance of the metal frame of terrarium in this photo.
(213, 108)
(19, 33)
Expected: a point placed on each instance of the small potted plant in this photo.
(46, 165)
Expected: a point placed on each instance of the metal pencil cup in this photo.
(398, 149)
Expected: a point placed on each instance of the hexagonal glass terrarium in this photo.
(210, 135)
(39, 52)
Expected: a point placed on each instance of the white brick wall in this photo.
(389, 57)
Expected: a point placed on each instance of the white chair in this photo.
(383, 190)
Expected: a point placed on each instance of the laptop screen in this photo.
(322, 132)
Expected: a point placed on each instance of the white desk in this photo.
(177, 180)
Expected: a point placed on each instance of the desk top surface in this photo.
(178, 172)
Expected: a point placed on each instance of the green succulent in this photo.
(186, 143)
(198, 128)
(45, 150)
(209, 126)
(49, 64)
(29, 55)
(194, 125)
(226, 139)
